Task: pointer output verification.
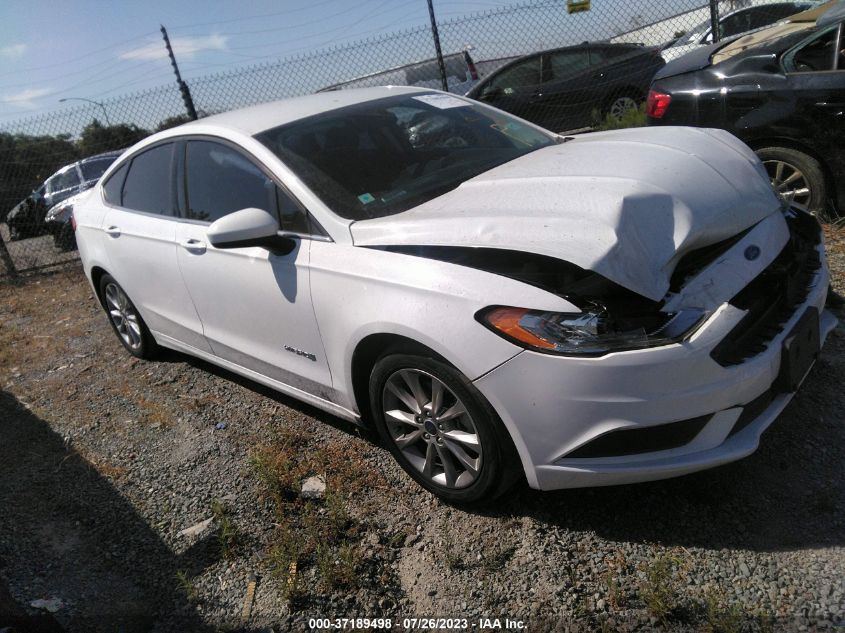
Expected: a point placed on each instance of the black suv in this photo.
(565, 88)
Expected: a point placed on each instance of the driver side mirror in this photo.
(249, 227)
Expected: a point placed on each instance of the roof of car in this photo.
(266, 116)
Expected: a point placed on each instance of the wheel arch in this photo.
(368, 350)
(97, 273)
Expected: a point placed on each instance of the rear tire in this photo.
(620, 105)
(126, 321)
(441, 430)
(799, 177)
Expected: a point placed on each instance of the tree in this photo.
(26, 161)
(172, 121)
(97, 138)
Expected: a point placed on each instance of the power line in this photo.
(254, 17)
(70, 61)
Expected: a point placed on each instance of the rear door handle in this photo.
(192, 245)
(113, 231)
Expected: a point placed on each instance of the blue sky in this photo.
(95, 49)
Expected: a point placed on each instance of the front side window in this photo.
(524, 74)
(385, 156)
(817, 55)
(148, 183)
(65, 180)
(221, 181)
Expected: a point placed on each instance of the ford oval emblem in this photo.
(752, 253)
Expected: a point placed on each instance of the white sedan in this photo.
(498, 301)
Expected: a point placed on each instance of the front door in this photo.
(255, 306)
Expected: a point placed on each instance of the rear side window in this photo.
(147, 186)
(114, 186)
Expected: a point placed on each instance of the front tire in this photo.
(441, 430)
(126, 321)
(799, 178)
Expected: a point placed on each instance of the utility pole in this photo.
(714, 20)
(437, 48)
(183, 87)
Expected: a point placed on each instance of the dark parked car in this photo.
(563, 89)
(782, 91)
(27, 219)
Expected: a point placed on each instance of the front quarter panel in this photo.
(360, 291)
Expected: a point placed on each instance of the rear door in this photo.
(140, 237)
(255, 305)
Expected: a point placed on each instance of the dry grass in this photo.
(320, 533)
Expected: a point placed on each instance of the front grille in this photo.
(773, 296)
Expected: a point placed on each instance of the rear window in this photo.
(112, 189)
(93, 169)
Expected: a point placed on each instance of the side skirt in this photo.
(320, 403)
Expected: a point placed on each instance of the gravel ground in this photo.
(105, 460)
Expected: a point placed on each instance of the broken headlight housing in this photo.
(593, 332)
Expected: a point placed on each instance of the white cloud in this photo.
(183, 47)
(13, 50)
(25, 98)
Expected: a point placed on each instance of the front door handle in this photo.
(113, 231)
(192, 245)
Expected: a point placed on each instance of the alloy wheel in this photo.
(123, 315)
(432, 428)
(789, 182)
(621, 106)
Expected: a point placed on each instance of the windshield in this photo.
(93, 169)
(385, 156)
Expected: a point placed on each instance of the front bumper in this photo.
(554, 406)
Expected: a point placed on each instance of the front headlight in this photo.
(593, 332)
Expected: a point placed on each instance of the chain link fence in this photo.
(600, 82)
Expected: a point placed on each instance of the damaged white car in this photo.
(496, 300)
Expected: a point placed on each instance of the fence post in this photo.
(7, 260)
(437, 49)
(714, 19)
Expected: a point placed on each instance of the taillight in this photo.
(473, 71)
(73, 222)
(657, 104)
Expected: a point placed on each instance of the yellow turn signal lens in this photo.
(506, 320)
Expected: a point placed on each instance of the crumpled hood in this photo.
(626, 204)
